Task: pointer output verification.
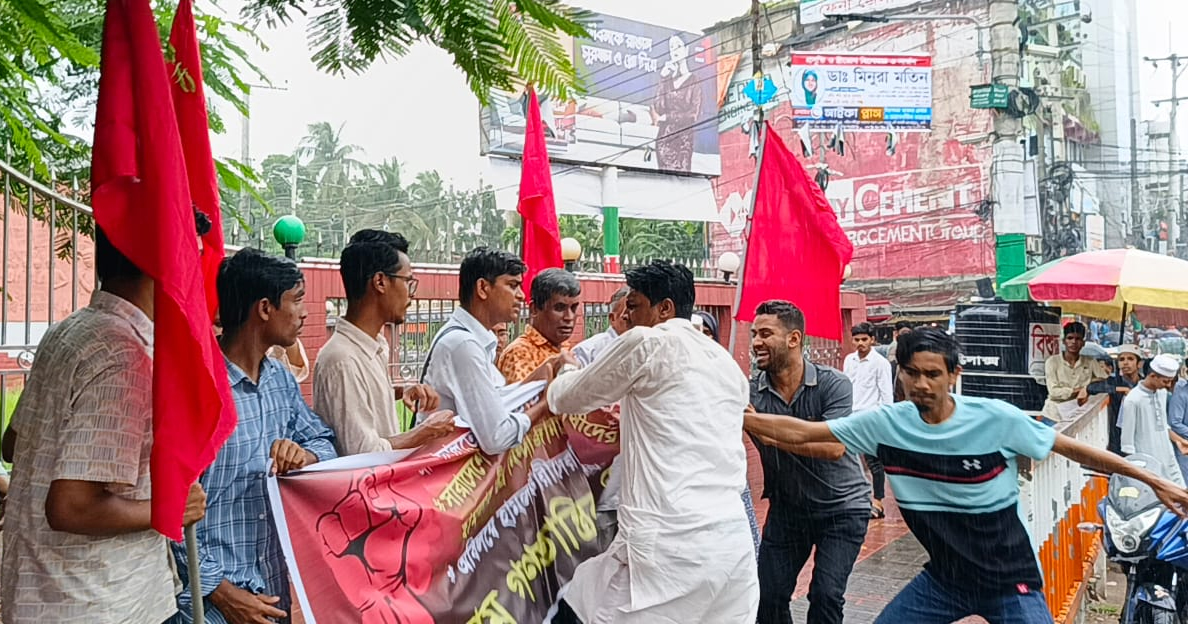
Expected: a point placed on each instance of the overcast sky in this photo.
(419, 109)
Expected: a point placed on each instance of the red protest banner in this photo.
(448, 534)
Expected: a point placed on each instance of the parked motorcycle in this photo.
(1148, 541)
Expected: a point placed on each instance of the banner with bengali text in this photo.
(860, 91)
(447, 534)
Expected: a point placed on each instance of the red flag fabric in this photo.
(540, 235)
(796, 250)
(189, 104)
(141, 199)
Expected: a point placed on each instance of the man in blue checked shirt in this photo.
(244, 578)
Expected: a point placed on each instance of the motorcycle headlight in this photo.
(1128, 534)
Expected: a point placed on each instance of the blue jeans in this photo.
(925, 601)
(788, 540)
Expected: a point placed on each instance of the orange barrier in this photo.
(1067, 556)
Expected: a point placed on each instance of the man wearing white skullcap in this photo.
(1144, 429)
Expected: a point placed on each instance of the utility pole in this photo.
(245, 146)
(1136, 218)
(293, 191)
(1007, 183)
(756, 43)
(1176, 213)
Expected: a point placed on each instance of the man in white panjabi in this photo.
(684, 551)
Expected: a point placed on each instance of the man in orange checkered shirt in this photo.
(553, 315)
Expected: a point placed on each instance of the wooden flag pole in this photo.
(761, 126)
(195, 575)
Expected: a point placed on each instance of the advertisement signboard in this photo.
(921, 235)
(651, 103)
(860, 91)
(814, 11)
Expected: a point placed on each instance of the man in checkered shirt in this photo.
(78, 546)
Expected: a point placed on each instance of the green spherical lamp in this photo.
(289, 231)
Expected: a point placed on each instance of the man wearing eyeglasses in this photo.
(352, 388)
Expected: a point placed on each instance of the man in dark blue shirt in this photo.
(1118, 385)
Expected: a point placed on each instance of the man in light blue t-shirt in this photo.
(951, 461)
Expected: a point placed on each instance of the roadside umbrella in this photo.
(1104, 284)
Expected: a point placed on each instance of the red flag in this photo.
(141, 199)
(540, 235)
(189, 103)
(796, 250)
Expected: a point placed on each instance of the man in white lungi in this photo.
(684, 552)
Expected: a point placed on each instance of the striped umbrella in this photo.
(1104, 284)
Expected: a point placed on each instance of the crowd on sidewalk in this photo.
(678, 537)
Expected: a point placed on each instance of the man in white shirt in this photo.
(461, 361)
(1145, 430)
(684, 551)
(870, 374)
(352, 386)
(586, 352)
(589, 349)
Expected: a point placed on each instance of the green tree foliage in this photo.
(642, 238)
(49, 77)
(338, 192)
(494, 42)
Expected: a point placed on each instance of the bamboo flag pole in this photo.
(761, 127)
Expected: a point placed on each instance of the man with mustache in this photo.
(952, 462)
(554, 310)
(818, 492)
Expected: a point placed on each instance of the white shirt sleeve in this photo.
(886, 383)
(477, 400)
(604, 382)
(1128, 426)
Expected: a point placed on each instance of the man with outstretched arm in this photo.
(951, 460)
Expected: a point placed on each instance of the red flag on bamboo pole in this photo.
(189, 105)
(795, 248)
(141, 199)
(540, 235)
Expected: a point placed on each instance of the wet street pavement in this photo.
(890, 558)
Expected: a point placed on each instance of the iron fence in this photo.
(47, 267)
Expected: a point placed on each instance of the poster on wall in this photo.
(920, 232)
(861, 91)
(651, 102)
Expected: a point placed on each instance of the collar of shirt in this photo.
(122, 308)
(238, 377)
(538, 339)
(1082, 361)
(360, 338)
(485, 337)
(810, 380)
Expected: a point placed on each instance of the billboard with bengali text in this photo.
(650, 103)
(861, 91)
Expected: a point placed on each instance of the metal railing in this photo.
(1055, 496)
(47, 267)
